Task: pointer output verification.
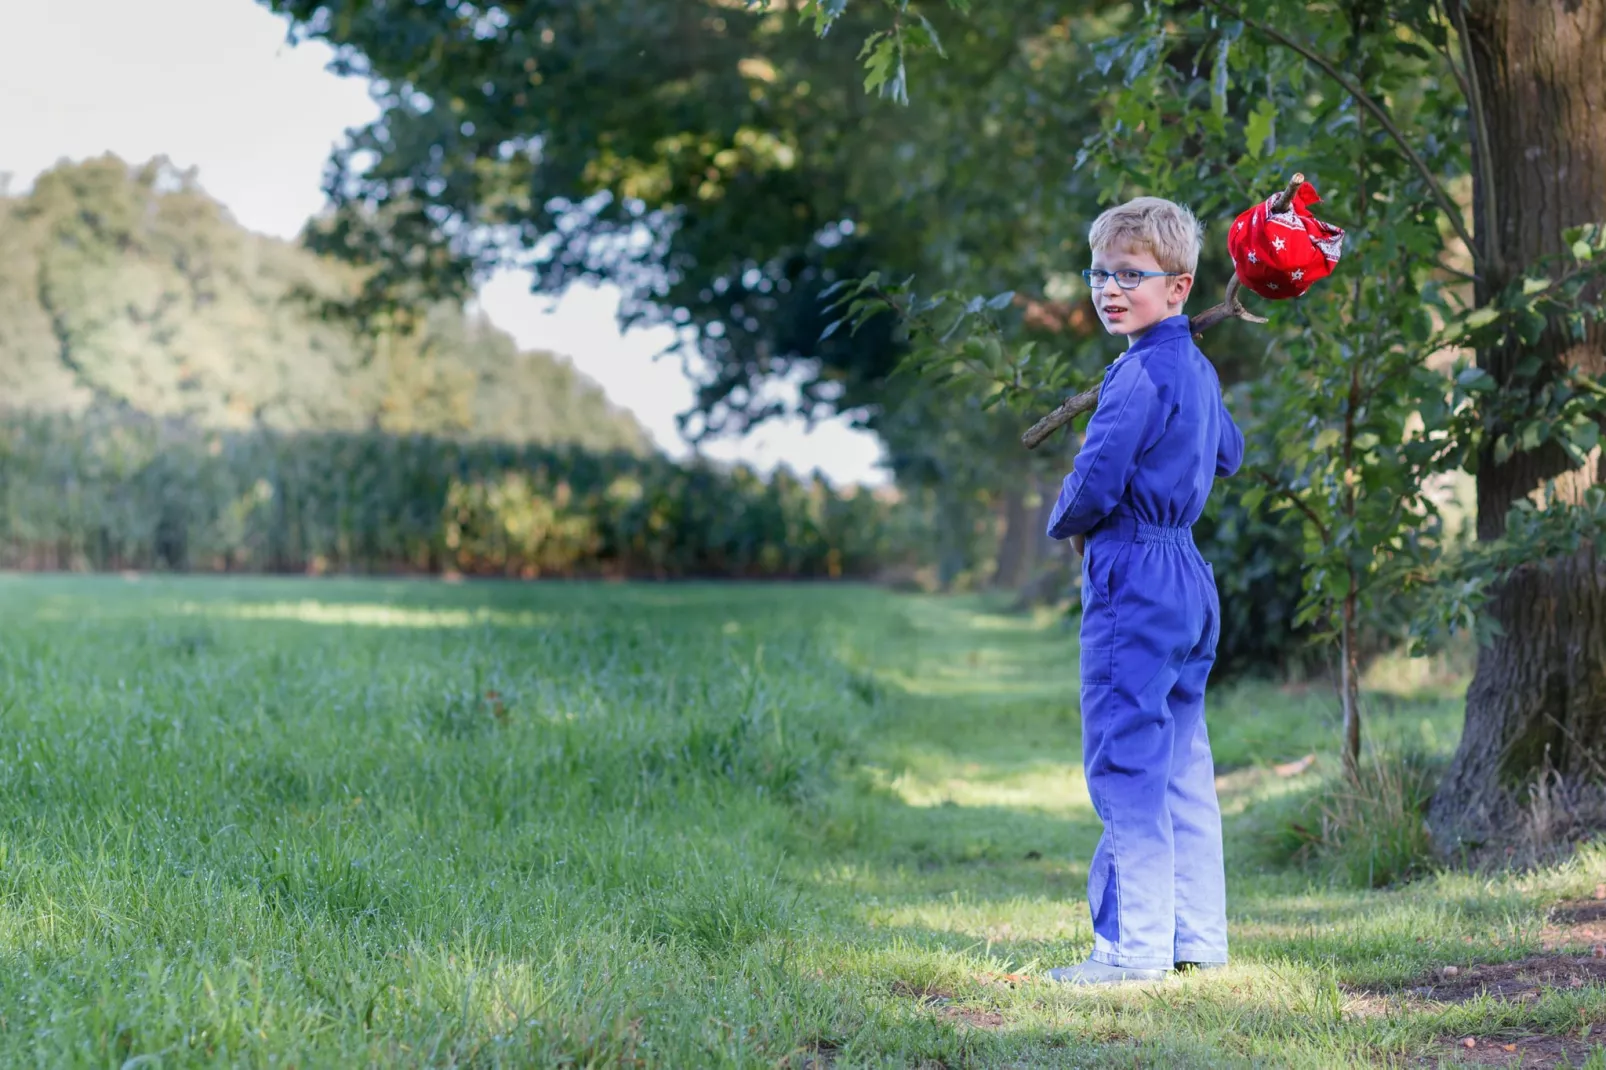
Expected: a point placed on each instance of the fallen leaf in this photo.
(1470, 1042)
(1508, 1047)
(1294, 768)
(1600, 891)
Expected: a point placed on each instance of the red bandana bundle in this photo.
(1279, 252)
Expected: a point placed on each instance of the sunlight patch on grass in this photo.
(1016, 921)
(1441, 676)
(960, 683)
(375, 615)
(1049, 787)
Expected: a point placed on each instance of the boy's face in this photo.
(1131, 313)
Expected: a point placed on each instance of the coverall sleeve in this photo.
(1230, 451)
(1116, 438)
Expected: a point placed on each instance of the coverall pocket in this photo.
(1098, 613)
(1098, 662)
(1099, 571)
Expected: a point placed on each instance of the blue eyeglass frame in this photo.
(1088, 273)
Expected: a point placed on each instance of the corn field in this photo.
(127, 492)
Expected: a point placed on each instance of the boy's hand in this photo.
(1079, 544)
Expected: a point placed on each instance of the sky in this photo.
(213, 85)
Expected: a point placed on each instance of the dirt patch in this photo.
(942, 1001)
(975, 1017)
(929, 995)
(821, 1055)
(1512, 981)
(1579, 923)
(1524, 1052)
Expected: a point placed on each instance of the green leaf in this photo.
(1260, 126)
(1503, 449)
(882, 49)
(836, 287)
(1144, 57)
(1585, 435)
(1532, 325)
(1001, 300)
(1582, 251)
(1326, 439)
(931, 34)
(1218, 84)
(1531, 286)
(1481, 318)
(1307, 614)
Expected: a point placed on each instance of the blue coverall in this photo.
(1160, 436)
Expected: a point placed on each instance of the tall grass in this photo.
(1369, 832)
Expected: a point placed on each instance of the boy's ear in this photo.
(1181, 287)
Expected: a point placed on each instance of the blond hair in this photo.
(1163, 229)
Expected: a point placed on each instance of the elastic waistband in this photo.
(1124, 528)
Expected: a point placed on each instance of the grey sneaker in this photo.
(1099, 973)
(1198, 967)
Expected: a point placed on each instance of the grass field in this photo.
(343, 823)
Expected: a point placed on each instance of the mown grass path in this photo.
(276, 822)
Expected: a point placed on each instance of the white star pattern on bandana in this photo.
(1253, 259)
(1299, 274)
(1278, 243)
(1273, 286)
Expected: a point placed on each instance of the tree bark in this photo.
(1537, 703)
(1014, 546)
(1350, 686)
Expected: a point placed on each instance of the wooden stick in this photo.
(1281, 203)
(1087, 400)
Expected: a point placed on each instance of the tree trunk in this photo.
(1350, 683)
(1537, 704)
(1014, 564)
(1052, 570)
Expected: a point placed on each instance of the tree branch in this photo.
(1362, 98)
(1298, 503)
(1449, 60)
(1087, 400)
(1281, 203)
(1483, 161)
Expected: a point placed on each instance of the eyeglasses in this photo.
(1126, 278)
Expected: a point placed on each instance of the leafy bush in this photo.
(1257, 555)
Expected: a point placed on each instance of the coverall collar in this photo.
(1167, 330)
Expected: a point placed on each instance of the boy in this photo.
(1160, 436)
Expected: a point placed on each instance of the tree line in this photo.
(126, 491)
